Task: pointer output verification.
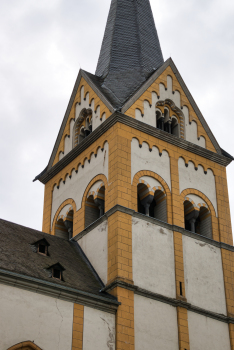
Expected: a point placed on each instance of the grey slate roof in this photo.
(130, 51)
(17, 255)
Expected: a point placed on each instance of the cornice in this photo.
(167, 300)
(154, 221)
(56, 291)
(118, 117)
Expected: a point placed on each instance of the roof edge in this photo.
(148, 83)
(81, 74)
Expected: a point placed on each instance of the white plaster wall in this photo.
(95, 247)
(96, 121)
(151, 181)
(65, 209)
(155, 325)
(167, 94)
(75, 187)
(207, 333)
(143, 159)
(190, 178)
(29, 316)
(99, 330)
(153, 258)
(95, 186)
(203, 275)
(191, 130)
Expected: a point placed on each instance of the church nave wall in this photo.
(28, 316)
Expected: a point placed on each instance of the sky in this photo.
(43, 45)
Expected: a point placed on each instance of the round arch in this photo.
(163, 184)
(214, 219)
(27, 345)
(68, 201)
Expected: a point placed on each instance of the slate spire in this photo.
(130, 50)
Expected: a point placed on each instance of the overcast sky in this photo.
(43, 45)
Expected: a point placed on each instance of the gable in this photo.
(86, 95)
(167, 89)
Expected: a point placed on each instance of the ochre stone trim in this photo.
(214, 219)
(80, 223)
(27, 345)
(97, 102)
(78, 327)
(135, 182)
(125, 334)
(183, 329)
(120, 247)
(66, 202)
(176, 86)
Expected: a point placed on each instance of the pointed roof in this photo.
(130, 50)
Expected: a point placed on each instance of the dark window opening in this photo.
(42, 249)
(56, 273)
(181, 289)
(95, 207)
(198, 221)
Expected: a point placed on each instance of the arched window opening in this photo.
(95, 206)
(175, 127)
(152, 204)
(198, 221)
(159, 120)
(64, 228)
(82, 127)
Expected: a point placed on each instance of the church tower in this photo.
(138, 180)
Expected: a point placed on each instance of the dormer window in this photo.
(41, 247)
(56, 271)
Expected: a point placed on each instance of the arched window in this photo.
(82, 127)
(152, 203)
(27, 345)
(94, 206)
(64, 226)
(159, 120)
(198, 220)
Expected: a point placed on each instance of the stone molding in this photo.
(152, 221)
(118, 117)
(171, 301)
(60, 292)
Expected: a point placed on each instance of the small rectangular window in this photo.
(42, 249)
(57, 273)
(181, 289)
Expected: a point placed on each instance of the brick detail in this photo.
(78, 326)
(182, 316)
(179, 265)
(124, 319)
(120, 247)
(225, 226)
(231, 332)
